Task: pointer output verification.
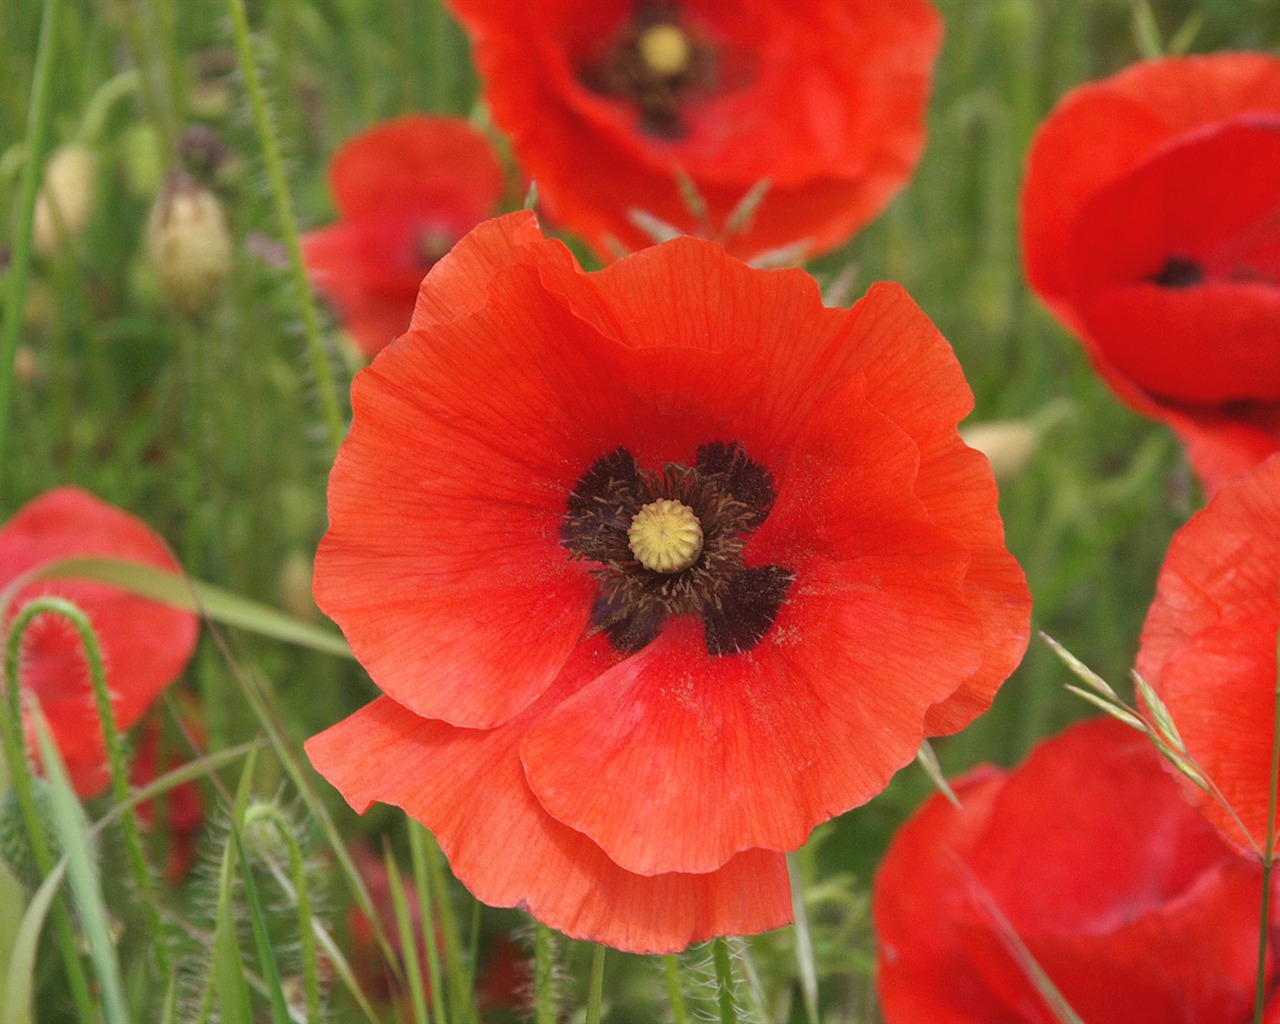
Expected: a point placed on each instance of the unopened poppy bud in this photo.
(188, 243)
(295, 586)
(15, 842)
(27, 367)
(65, 199)
(1007, 444)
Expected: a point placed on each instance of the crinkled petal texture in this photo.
(1132, 905)
(1151, 227)
(145, 644)
(1209, 645)
(824, 101)
(405, 190)
(660, 779)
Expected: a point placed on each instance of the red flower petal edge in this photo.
(607, 103)
(1209, 645)
(655, 739)
(145, 644)
(1132, 905)
(1151, 227)
(406, 190)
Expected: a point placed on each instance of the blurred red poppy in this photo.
(145, 645)
(1151, 227)
(406, 190)
(658, 568)
(606, 102)
(1086, 862)
(178, 815)
(1209, 645)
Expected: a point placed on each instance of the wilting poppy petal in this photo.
(406, 190)
(1209, 645)
(1151, 226)
(145, 645)
(822, 103)
(676, 577)
(1085, 856)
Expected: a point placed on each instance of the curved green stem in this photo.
(21, 779)
(53, 605)
(279, 821)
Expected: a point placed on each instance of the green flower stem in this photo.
(805, 963)
(288, 224)
(675, 993)
(544, 1011)
(595, 995)
(53, 605)
(20, 778)
(28, 186)
(1268, 858)
(272, 816)
(724, 981)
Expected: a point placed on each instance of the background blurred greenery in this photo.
(209, 427)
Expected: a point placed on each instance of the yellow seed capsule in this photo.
(665, 536)
(665, 50)
(189, 243)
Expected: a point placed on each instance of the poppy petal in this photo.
(145, 644)
(468, 788)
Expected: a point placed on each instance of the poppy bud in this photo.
(15, 843)
(1008, 445)
(65, 199)
(295, 586)
(188, 243)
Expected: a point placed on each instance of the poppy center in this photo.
(654, 62)
(665, 536)
(670, 543)
(665, 49)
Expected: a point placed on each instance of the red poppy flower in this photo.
(1132, 905)
(607, 101)
(405, 190)
(1209, 645)
(145, 645)
(1151, 226)
(657, 568)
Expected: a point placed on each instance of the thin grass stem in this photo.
(329, 399)
(28, 186)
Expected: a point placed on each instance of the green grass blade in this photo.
(218, 604)
(20, 978)
(73, 833)
(408, 942)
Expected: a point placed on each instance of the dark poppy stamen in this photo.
(1179, 272)
(654, 61)
(670, 543)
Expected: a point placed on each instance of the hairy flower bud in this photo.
(15, 843)
(188, 243)
(65, 199)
